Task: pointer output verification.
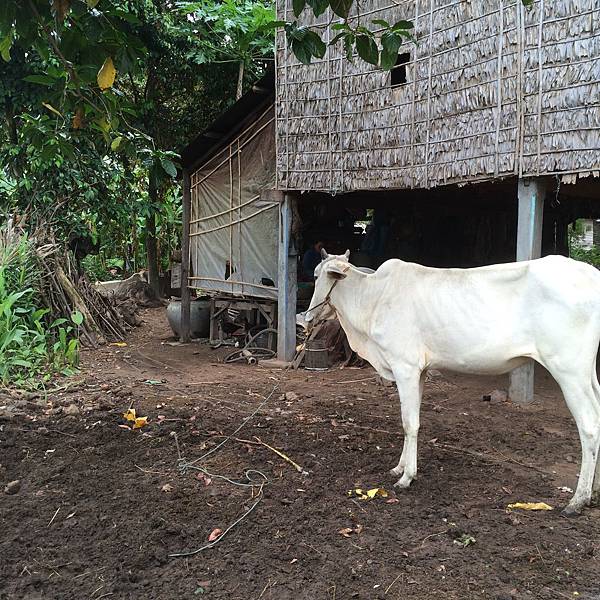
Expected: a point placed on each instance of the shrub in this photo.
(578, 250)
(33, 347)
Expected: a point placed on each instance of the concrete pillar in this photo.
(529, 246)
(286, 283)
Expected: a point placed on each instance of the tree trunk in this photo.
(13, 135)
(151, 242)
(11, 123)
(240, 83)
(134, 242)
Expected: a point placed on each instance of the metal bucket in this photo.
(316, 356)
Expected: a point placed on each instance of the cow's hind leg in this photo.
(596, 484)
(581, 400)
(410, 388)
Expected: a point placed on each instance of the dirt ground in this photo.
(101, 507)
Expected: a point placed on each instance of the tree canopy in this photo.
(97, 98)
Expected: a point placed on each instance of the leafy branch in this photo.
(378, 47)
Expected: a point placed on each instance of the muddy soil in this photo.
(100, 507)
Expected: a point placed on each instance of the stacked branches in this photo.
(35, 267)
(65, 293)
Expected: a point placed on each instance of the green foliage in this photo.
(378, 47)
(232, 30)
(31, 349)
(82, 159)
(305, 43)
(578, 250)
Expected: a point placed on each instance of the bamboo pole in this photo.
(185, 258)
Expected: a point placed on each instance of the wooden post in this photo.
(185, 258)
(286, 283)
(529, 246)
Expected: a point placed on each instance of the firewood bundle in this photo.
(64, 291)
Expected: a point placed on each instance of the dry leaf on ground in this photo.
(531, 506)
(368, 494)
(203, 478)
(348, 531)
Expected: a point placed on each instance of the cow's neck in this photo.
(348, 298)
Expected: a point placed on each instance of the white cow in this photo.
(406, 318)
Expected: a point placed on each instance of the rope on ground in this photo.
(258, 500)
(184, 465)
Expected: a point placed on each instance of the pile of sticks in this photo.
(65, 292)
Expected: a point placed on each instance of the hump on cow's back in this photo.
(393, 265)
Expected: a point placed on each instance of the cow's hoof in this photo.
(404, 482)
(571, 511)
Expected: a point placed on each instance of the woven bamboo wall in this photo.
(493, 89)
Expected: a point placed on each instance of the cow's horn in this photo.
(324, 254)
(347, 254)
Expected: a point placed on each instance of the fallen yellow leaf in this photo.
(531, 506)
(107, 74)
(140, 422)
(368, 494)
(129, 414)
(119, 344)
(376, 492)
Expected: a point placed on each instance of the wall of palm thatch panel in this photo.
(493, 89)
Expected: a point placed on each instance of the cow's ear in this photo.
(337, 271)
(324, 254)
(347, 255)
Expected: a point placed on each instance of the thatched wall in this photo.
(493, 89)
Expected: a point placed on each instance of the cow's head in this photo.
(331, 269)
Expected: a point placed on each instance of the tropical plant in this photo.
(32, 348)
(578, 250)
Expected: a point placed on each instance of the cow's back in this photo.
(472, 319)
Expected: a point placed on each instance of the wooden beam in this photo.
(529, 246)
(286, 282)
(185, 258)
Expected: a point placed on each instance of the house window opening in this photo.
(399, 69)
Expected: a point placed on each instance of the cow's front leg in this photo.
(410, 389)
(399, 468)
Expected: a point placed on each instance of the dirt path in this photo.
(100, 507)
